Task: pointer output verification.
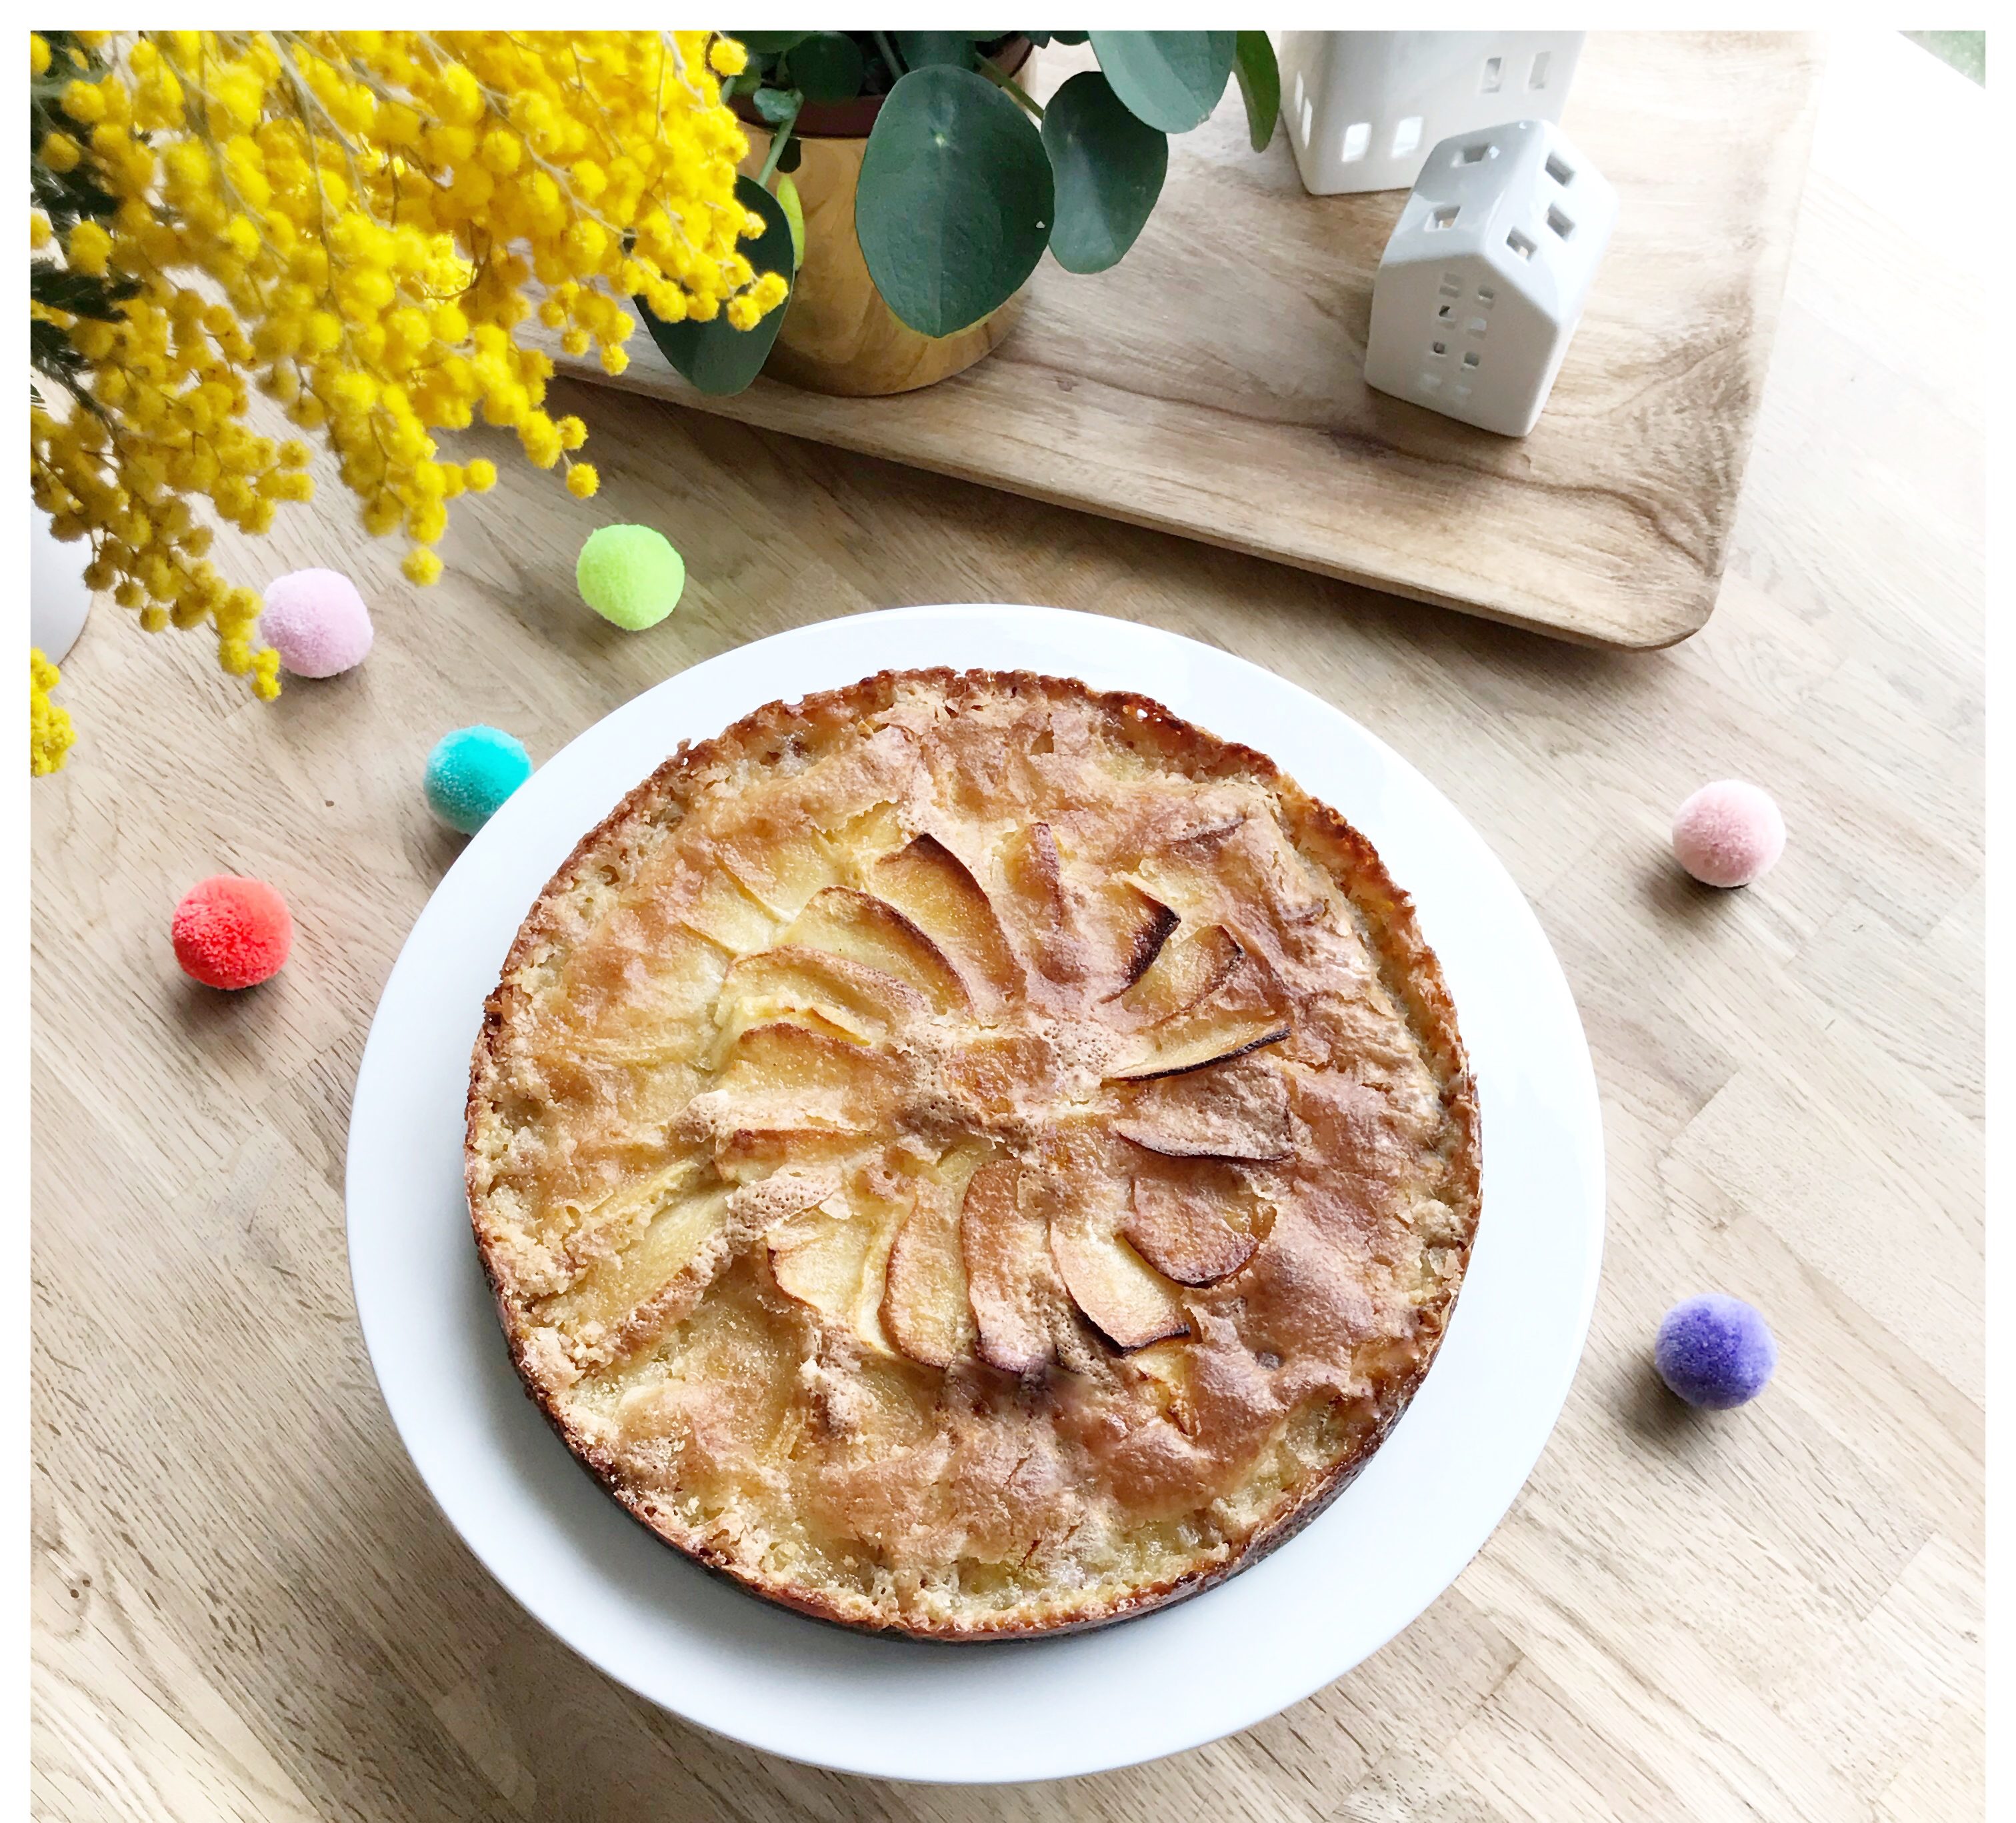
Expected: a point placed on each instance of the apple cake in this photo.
(971, 1155)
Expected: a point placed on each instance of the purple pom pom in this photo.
(1715, 1351)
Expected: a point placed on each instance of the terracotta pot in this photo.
(838, 336)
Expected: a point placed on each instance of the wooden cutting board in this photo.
(1211, 384)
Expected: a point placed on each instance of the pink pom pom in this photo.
(317, 621)
(1729, 834)
(232, 932)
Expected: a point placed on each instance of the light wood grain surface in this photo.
(245, 1604)
(1212, 384)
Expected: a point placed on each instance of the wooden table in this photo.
(244, 1603)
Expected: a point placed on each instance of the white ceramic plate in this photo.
(1041, 1708)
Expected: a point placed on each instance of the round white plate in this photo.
(1041, 1708)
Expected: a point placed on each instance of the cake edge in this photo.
(1409, 970)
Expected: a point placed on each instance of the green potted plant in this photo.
(911, 184)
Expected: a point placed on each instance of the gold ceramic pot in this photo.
(838, 335)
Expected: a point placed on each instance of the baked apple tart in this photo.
(971, 1155)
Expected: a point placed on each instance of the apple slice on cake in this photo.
(926, 1308)
(1182, 1223)
(934, 888)
(1012, 1283)
(862, 929)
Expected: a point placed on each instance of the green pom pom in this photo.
(630, 575)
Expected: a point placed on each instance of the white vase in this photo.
(1365, 108)
(58, 600)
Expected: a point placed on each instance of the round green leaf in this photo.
(953, 207)
(715, 355)
(1260, 85)
(1170, 79)
(779, 105)
(826, 66)
(1109, 168)
(767, 44)
(923, 50)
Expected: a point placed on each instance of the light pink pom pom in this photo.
(317, 621)
(1729, 834)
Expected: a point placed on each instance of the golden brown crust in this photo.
(1296, 1294)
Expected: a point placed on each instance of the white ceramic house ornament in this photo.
(1363, 107)
(1482, 287)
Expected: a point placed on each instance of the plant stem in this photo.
(896, 70)
(1001, 79)
(780, 137)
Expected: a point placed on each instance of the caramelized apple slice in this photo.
(774, 851)
(798, 1077)
(867, 1003)
(1153, 925)
(1009, 1277)
(1163, 1369)
(1240, 1111)
(709, 900)
(1180, 1229)
(925, 1307)
(834, 1258)
(749, 1154)
(1124, 1298)
(1124, 930)
(1244, 862)
(1198, 1042)
(931, 886)
(673, 1237)
(1032, 871)
(865, 929)
(636, 990)
(737, 1018)
(1181, 973)
(613, 1223)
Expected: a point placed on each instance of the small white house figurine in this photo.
(1482, 285)
(1363, 107)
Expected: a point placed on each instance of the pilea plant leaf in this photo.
(954, 204)
(1170, 79)
(1259, 85)
(827, 67)
(778, 105)
(1109, 167)
(715, 355)
(925, 50)
(768, 43)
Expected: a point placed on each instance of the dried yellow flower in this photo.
(372, 209)
(50, 733)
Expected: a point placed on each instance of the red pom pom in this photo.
(233, 933)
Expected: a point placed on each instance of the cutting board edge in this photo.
(1565, 623)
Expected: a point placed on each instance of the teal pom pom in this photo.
(470, 773)
(630, 575)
